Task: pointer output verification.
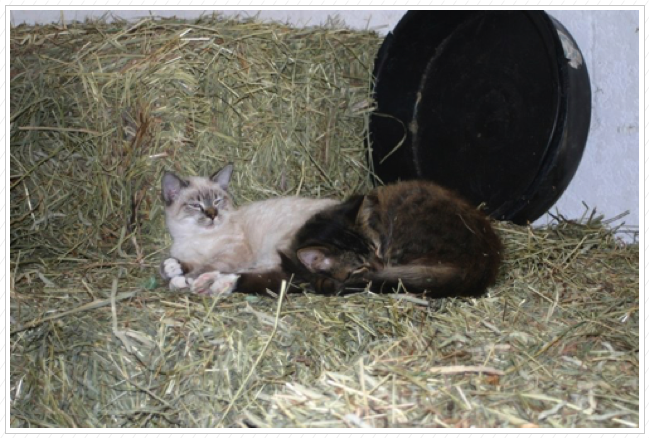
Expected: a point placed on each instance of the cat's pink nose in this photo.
(211, 212)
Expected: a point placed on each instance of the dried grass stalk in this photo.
(99, 110)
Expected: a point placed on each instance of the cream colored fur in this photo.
(243, 240)
(235, 240)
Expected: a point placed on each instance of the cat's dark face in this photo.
(332, 267)
(337, 264)
(333, 248)
(198, 204)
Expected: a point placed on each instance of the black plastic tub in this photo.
(493, 104)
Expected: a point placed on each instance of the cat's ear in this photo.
(351, 207)
(315, 258)
(222, 177)
(171, 187)
(367, 209)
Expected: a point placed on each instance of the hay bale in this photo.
(99, 110)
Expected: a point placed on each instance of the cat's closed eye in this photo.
(195, 206)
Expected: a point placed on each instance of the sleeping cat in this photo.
(415, 233)
(214, 242)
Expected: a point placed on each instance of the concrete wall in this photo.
(608, 177)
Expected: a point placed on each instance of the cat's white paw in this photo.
(172, 268)
(179, 283)
(214, 283)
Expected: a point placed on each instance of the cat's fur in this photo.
(415, 233)
(212, 237)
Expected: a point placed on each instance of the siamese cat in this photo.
(214, 242)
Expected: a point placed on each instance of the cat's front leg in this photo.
(170, 268)
(174, 271)
(214, 283)
(181, 282)
(326, 286)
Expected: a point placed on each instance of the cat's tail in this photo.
(434, 280)
(416, 277)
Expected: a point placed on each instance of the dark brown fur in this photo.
(415, 233)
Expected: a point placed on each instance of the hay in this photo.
(99, 110)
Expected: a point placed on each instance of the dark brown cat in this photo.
(415, 233)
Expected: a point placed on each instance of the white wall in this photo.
(608, 177)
